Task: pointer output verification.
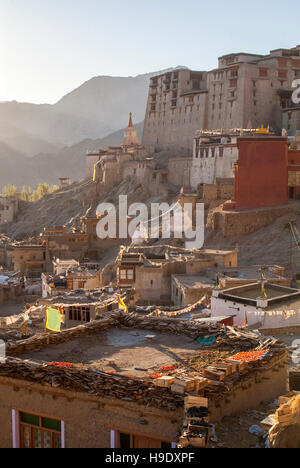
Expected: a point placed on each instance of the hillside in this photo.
(97, 108)
(270, 245)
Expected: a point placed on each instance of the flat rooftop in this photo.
(126, 352)
(252, 273)
(256, 292)
(193, 282)
(249, 294)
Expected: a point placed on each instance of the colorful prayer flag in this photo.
(245, 324)
(263, 289)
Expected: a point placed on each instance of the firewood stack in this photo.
(196, 428)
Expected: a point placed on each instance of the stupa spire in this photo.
(130, 125)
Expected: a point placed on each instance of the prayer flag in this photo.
(245, 324)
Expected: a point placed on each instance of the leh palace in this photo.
(147, 341)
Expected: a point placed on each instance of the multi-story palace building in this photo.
(245, 91)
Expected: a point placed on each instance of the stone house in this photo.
(149, 269)
(45, 405)
(9, 207)
(59, 243)
(275, 311)
(30, 259)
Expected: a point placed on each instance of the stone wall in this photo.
(180, 172)
(91, 403)
(88, 416)
(11, 292)
(217, 162)
(237, 223)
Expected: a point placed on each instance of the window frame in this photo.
(17, 426)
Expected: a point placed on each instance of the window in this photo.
(39, 431)
(79, 314)
(126, 274)
(282, 74)
(282, 62)
(263, 72)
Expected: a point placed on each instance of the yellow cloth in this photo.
(122, 305)
(54, 320)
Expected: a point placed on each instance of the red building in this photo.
(261, 173)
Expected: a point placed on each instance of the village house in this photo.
(9, 207)
(58, 242)
(5, 252)
(149, 269)
(187, 290)
(108, 384)
(271, 308)
(30, 259)
(71, 275)
(11, 287)
(82, 306)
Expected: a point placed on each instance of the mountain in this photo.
(43, 142)
(97, 108)
(48, 167)
(24, 143)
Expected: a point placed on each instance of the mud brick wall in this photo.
(259, 383)
(90, 417)
(43, 340)
(243, 222)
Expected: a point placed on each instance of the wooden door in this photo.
(144, 442)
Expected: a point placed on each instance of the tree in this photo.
(10, 191)
(25, 194)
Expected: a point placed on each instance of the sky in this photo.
(50, 47)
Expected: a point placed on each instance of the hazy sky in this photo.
(50, 47)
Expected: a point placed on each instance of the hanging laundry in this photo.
(122, 305)
(54, 319)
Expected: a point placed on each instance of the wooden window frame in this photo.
(126, 270)
(18, 425)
